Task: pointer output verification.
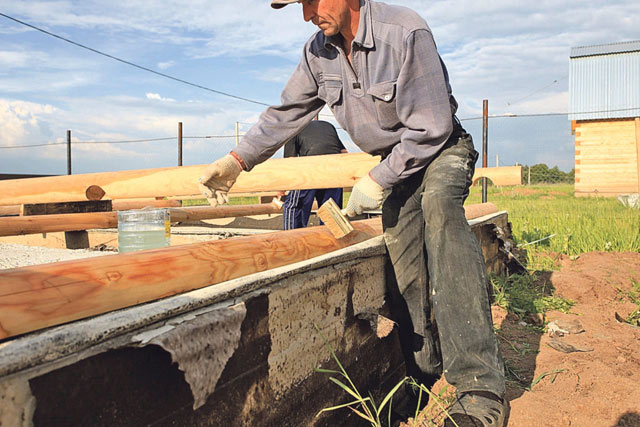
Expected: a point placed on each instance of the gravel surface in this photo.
(13, 255)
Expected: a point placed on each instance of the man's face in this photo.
(329, 15)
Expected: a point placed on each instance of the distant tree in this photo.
(541, 174)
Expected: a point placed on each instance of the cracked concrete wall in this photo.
(324, 299)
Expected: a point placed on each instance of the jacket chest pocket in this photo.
(384, 100)
(330, 88)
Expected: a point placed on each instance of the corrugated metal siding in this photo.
(604, 86)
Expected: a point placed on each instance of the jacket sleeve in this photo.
(278, 124)
(423, 106)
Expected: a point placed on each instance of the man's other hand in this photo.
(217, 179)
(366, 195)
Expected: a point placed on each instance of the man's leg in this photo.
(297, 208)
(403, 225)
(458, 275)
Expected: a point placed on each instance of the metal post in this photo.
(68, 152)
(237, 133)
(485, 143)
(179, 143)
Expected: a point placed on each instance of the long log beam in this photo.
(295, 173)
(36, 297)
(40, 296)
(20, 225)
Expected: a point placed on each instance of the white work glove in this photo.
(217, 179)
(366, 195)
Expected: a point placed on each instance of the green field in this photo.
(566, 224)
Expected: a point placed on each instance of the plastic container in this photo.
(143, 229)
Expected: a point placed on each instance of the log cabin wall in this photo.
(606, 158)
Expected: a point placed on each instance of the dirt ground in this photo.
(598, 386)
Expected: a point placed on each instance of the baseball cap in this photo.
(277, 4)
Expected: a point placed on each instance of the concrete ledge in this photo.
(238, 353)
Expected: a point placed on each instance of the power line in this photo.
(537, 91)
(120, 142)
(551, 114)
(131, 63)
(233, 135)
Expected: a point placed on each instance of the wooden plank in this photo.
(638, 150)
(20, 225)
(504, 175)
(329, 171)
(36, 297)
(66, 207)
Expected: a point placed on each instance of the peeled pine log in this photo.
(19, 225)
(294, 173)
(478, 210)
(116, 205)
(40, 296)
(36, 297)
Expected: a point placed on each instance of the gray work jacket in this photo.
(393, 99)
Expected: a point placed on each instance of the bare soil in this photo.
(598, 387)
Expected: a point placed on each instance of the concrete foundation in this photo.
(238, 353)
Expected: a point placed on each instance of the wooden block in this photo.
(66, 207)
(334, 219)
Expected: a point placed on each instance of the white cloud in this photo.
(157, 96)
(166, 65)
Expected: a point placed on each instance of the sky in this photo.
(513, 53)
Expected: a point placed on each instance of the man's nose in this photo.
(307, 11)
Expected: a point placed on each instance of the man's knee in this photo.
(440, 210)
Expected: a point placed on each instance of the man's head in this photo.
(331, 16)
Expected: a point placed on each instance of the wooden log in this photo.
(94, 192)
(116, 205)
(36, 297)
(478, 210)
(66, 207)
(10, 210)
(127, 204)
(294, 173)
(15, 226)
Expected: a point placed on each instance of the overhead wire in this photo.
(131, 63)
(234, 135)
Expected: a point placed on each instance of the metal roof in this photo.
(604, 81)
(605, 49)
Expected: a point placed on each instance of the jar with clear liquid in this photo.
(143, 229)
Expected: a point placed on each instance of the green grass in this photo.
(564, 223)
(527, 294)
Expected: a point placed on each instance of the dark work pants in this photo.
(440, 290)
(297, 206)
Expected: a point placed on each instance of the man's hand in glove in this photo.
(217, 179)
(366, 195)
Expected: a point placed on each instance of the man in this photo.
(376, 66)
(317, 138)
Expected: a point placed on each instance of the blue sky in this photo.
(513, 53)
